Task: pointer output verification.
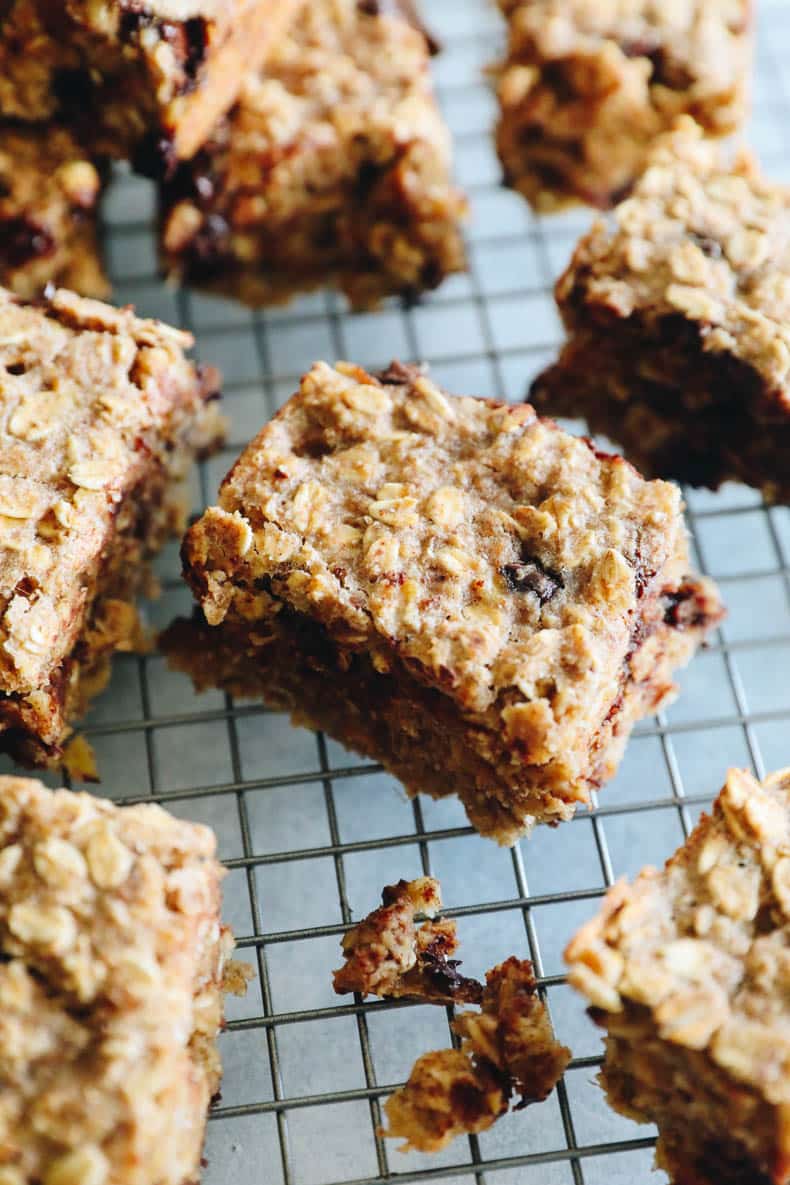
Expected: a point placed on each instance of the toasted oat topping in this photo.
(702, 239)
(388, 955)
(507, 1047)
(342, 64)
(688, 44)
(704, 945)
(111, 970)
(88, 396)
(505, 561)
(586, 87)
(96, 896)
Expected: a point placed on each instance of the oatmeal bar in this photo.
(112, 959)
(687, 970)
(49, 196)
(449, 585)
(387, 955)
(507, 1048)
(333, 167)
(148, 80)
(677, 316)
(101, 415)
(587, 86)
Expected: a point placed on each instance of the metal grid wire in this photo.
(310, 832)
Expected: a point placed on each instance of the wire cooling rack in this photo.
(311, 833)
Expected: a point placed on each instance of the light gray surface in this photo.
(311, 833)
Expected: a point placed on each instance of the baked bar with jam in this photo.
(507, 1048)
(452, 586)
(113, 963)
(677, 317)
(142, 80)
(687, 972)
(49, 199)
(101, 414)
(587, 85)
(334, 167)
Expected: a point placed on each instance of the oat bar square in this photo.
(677, 318)
(100, 415)
(334, 167)
(687, 972)
(587, 85)
(452, 586)
(143, 80)
(112, 959)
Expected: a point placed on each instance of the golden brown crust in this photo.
(111, 975)
(587, 86)
(688, 970)
(496, 586)
(101, 414)
(333, 167)
(388, 955)
(507, 1047)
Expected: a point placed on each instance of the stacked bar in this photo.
(677, 316)
(101, 414)
(112, 960)
(687, 971)
(334, 165)
(452, 586)
(587, 86)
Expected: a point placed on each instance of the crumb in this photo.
(388, 955)
(507, 1048)
(237, 977)
(79, 760)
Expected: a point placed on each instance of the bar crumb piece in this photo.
(446, 1096)
(687, 971)
(452, 586)
(507, 1049)
(388, 955)
(237, 978)
(112, 964)
(587, 86)
(677, 316)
